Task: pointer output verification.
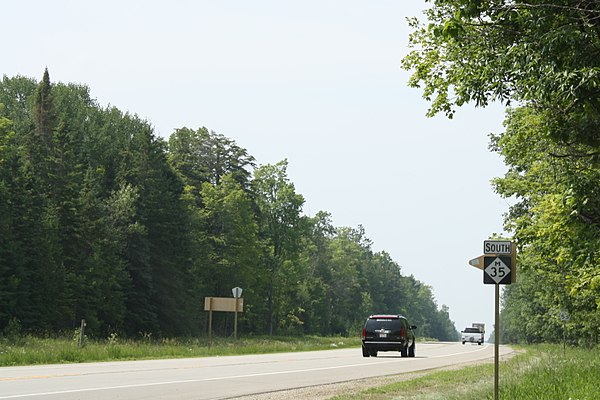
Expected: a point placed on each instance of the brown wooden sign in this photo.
(227, 304)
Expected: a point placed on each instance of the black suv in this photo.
(388, 333)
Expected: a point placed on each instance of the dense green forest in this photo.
(540, 58)
(101, 220)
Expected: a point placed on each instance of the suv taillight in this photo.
(364, 332)
(402, 332)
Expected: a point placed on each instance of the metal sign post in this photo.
(237, 293)
(564, 317)
(499, 265)
(496, 340)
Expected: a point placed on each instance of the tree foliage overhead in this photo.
(540, 53)
(101, 220)
(542, 58)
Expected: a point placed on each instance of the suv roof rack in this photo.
(386, 316)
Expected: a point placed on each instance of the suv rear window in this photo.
(392, 324)
(472, 330)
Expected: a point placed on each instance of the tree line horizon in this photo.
(101, 220)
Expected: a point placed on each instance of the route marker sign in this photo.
(497, 270)
(502, 248)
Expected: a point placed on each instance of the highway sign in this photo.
(497, 247)
(497, 270)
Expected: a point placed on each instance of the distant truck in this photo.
(474, 334)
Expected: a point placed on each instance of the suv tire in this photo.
(404, 351)
(365, 352)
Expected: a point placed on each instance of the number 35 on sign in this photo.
(497, 270)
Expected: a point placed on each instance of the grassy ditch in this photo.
(33, 350)
(541, 372)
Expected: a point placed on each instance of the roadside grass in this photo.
(34, 350)
(540, 372)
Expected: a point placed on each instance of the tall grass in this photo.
(541, 372)
(572, 376)
(33, 350)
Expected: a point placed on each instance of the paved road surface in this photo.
(222, 377)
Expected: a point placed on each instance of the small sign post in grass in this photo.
(81, 333)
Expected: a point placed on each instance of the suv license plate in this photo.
(383, 335)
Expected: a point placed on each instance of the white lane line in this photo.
(220, 378)
(479, 348)
(188, 380)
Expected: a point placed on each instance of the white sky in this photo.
(317, 82)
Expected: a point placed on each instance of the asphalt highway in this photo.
(223, 377)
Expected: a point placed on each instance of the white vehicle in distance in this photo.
(474, 334)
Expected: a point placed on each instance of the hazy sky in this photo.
(316, 82)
